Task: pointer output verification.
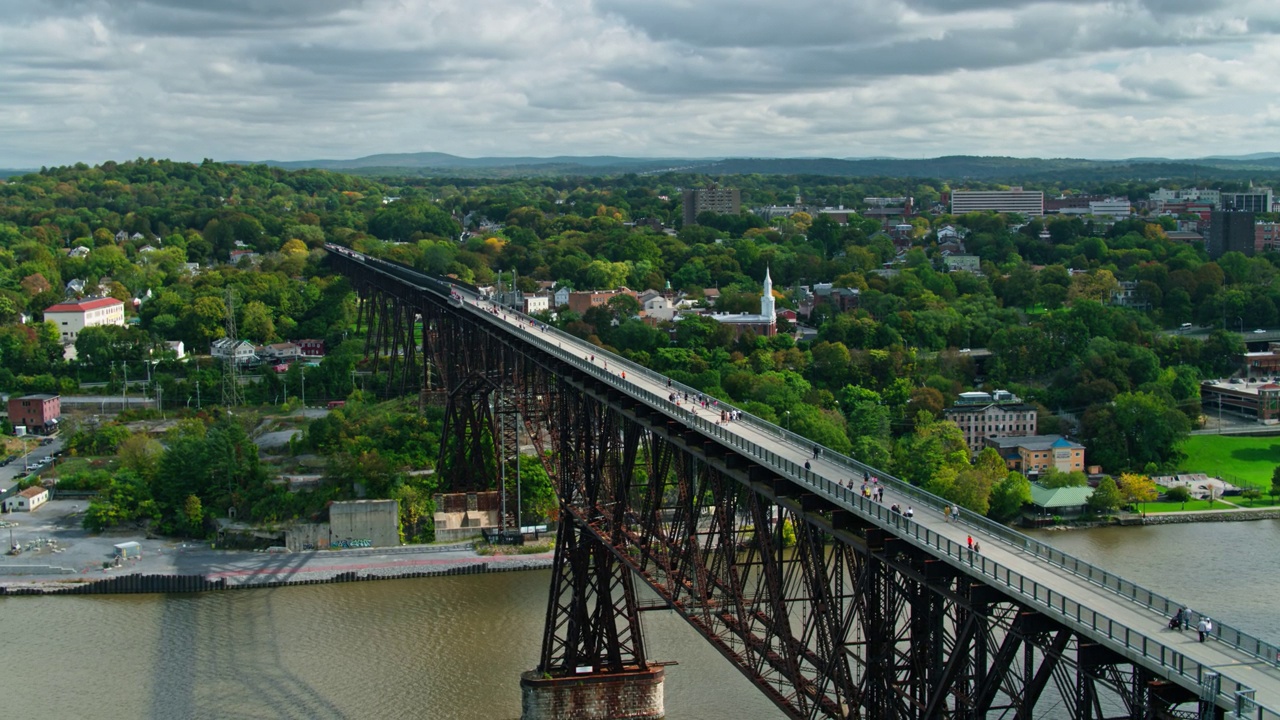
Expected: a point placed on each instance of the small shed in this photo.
(27, 500)
(128, 550)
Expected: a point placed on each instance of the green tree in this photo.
(1008, 497)
(257, 324)
(193, 516)
(932, 448)
(1178, 494)
(1106, 496)
(1055, 478)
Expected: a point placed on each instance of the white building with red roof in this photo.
(73, 316)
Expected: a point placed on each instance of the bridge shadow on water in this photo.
(219, 655)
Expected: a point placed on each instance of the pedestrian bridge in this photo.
(817, 645)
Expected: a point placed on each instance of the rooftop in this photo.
(1060, 497)
(83, 305)
(1034, 442)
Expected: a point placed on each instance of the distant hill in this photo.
(956, 167)
(1256, 166)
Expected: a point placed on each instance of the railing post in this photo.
(1245, 704)
(1210, 683)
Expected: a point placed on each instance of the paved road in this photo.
(11, 473)
(1145, 627)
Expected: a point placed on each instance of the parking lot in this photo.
(51, 536)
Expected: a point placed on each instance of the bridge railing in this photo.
(1231, 692)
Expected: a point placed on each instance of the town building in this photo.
(38, 413)
(888, 210)
(285, 352)
(842, 299)
(311, 347)
(966, 263)
(1163, 197)
(584, 300)
(73, 316)
(1230, 231)
(722, 201)
(1256, 200)
(536, 303)
(26, 500)
(1266, 237)
(1013, 200)
(1111, 207)
(1257, 400)
(1035, 454)
(659, 307)
(1126, 295)
(242, 350)
(765, 324)
(1062, 503)
(981, 415)
(561, 297)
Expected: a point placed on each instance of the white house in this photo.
(659, 308)
(73, 316)
(279, 352)
(536, 303)
(241, 350)
(27, 500)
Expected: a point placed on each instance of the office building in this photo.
(1231, 231)
(1256, 200)
(722, 201)
(1013, 200)
(981, 415)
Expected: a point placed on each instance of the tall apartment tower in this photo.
(1230, 231)
(723, 201)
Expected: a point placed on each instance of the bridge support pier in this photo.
(634, 695)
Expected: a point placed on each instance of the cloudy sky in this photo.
(93, 80)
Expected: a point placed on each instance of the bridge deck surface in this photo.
(1248, 670)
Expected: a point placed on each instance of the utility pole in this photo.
(232, 393)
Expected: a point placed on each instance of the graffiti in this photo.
(349, 544)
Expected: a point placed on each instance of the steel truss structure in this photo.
(828, 613)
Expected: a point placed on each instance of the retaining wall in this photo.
(200, 583)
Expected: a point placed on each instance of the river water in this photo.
(454, 647)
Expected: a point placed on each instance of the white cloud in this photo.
(294, 79)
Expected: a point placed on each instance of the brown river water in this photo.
(453, 647)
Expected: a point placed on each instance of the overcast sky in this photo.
(95, 80)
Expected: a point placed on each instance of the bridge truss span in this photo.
(831, 604)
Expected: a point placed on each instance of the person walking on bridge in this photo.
(1203, 628)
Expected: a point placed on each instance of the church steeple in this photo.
(766, 299)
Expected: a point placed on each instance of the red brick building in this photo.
(38, 413)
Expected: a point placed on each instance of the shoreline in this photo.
(283, 570)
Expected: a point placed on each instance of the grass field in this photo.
(1250, 459)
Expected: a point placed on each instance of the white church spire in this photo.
(766, 299)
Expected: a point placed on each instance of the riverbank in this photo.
(59, 557)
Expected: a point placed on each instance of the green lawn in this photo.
(1152, 508)
(1251, 460)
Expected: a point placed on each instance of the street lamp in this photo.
(1241, 321)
